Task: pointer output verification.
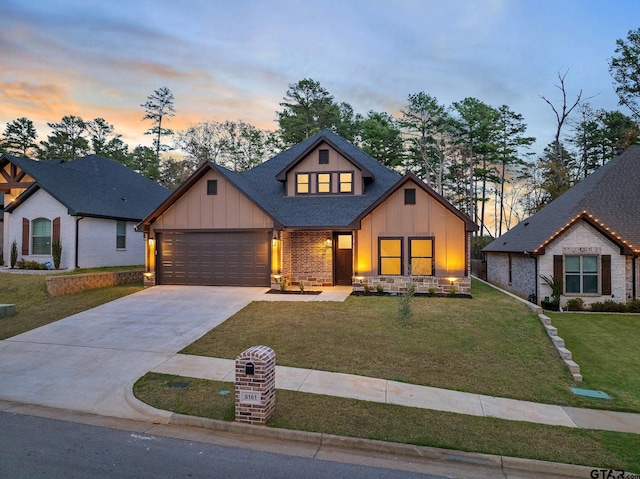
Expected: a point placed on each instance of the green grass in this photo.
(386, 422)
(606, 348)
(35, 308)
(491, 344)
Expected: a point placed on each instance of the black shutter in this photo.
(25, 236)
(606, 274)
(558, 270)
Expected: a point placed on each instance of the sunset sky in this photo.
(234, 59)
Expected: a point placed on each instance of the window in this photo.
(410, 196)
(324, 183)
(121, 234)
(421, 256)
(390, 255)
(324, 157)
(346, 182)
(212, 187)
(302, 183)
(581, 274)
(41, 236)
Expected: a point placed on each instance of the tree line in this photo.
(475, 155)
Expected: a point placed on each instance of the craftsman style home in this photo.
(90, 205)
(319, 214)
(589, 237)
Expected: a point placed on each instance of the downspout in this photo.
(78, 238)
(634, 285)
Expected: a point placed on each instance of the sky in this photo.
(234, 60)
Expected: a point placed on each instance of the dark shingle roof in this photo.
(262, 186)
(609, 198)
(92, 186)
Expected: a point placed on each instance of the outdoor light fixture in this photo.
(152, 242)
(328, 242)
(277, 277)
(274, 242)
(451, 280)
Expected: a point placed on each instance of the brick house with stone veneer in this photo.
(589, 237)
(321, 213)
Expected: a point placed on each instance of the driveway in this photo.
(89, 361)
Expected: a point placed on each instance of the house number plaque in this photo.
(250, 397)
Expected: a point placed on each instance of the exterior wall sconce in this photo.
(327, 242)
(277, 277)
(152, 242)
(359, 279)
(452, 280)
(274, 242)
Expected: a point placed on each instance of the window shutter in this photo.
(56, 229)
(558, 270)
(606, 274)
(25, 236)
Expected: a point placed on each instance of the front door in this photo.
(342, 259)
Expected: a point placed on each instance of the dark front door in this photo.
(342, 259)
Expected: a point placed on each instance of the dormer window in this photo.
(324, 157)
(324, 183)
(302, 183)
(346, 182)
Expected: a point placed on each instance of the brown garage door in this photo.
(214, 259)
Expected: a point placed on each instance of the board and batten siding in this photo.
(427, 218)
(228, 209)
(337, 163)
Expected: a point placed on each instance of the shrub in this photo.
(556, 287)
(404, 306)
(452, 291)
(56, 247)
(380, 288)
(22, 264)
(14, 253)
(301, 286)
(609, 306)
(575, 304)
(633, 306)
(432, 291)
(367, 289)
(283, 285)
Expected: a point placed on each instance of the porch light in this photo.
(277, 277)
(274, 242)
(452, 280)
(328, 242)
(359, 279)
(148, 276)
(152, 242)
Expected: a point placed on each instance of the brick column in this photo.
(255, 385)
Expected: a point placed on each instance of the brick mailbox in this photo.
(255, 385)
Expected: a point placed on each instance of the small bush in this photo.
(575, 304)
(22, 264)
(432, 291)
(609, 306)
(367, 289)
(301, 286)
(57, 253)
(633, 306)
(380, 288)
(14, 254)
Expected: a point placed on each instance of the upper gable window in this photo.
(324, 183)
(302, 183)
(212, 187)
(346, 182)
(324, 157)
(410, 196)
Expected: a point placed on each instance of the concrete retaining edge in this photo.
(503, 463)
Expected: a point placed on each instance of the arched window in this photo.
(41, 236)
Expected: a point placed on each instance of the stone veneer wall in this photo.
(59, 285)
(306, 258)
(398, 284)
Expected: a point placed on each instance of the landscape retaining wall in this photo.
(59, 285)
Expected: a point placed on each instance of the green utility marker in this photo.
(590, 393)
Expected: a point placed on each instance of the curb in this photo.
(499, 463)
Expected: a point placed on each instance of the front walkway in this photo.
(403, 394)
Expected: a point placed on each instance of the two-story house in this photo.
(321, 213)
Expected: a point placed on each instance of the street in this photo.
(36, 447)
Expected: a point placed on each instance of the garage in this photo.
(214, 258)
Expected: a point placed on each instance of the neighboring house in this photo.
(319, 214)
(589, 237)
(90, 204)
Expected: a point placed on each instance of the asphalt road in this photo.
(35, 447)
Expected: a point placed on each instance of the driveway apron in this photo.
(89, 361)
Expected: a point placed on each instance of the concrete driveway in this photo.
(89, 361)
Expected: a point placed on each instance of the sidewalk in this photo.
(403, 394)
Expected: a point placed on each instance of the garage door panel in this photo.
(221, 258)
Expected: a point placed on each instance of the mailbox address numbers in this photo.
(250, 397)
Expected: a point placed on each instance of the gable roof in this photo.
(608, 199)
(90, 186)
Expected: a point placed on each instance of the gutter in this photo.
(78, 238)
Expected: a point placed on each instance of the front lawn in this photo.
(388, 422)
(606, 348)
(491, 344)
